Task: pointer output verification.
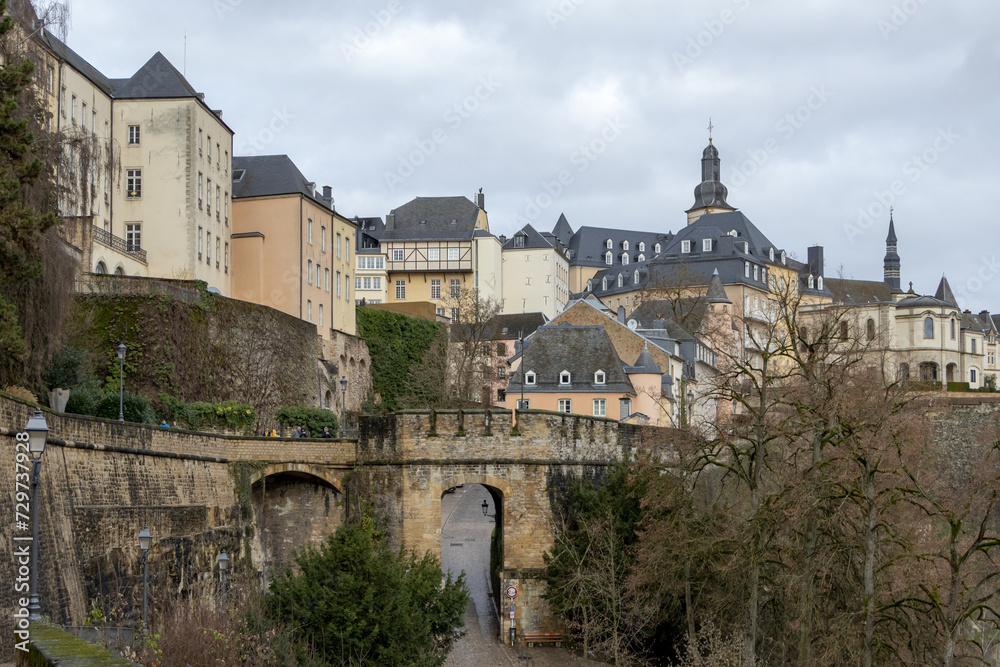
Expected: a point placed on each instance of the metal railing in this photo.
(117, 243)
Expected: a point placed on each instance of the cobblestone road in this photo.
(465, 547)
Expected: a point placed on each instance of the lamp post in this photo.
(37, 431)
(145, 542)
(121, 384)
(343, 407)
(690, 404)
(223, 561)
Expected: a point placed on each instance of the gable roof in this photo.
(156, 79)
(718, 226)
(857, 292)
(581, 350)
(532, 240)
(504, 327)
(562, 230)
(426, 218)
(77, 62)
(272, 175)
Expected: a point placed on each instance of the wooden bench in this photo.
(532, 638)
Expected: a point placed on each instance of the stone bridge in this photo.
(263, 498)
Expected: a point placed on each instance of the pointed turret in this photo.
(562, 230)
(710, 194)
(645, 364)
(716, 292)
(890, 265)
(945, 294)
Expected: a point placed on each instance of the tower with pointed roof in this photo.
(890, 265)
(710, 194)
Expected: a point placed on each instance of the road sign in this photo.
(512, 591)
(512, 613)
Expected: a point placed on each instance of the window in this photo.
(928, 327)
(501, 350)
(376, 283)
(519, 241)
(357, 284)
(501, 372)
(529, 378)
(641, 258)
(746, 269)
(599, 377)
(371, 262)
(608, 244)
(624, 407)
(642, 246)
(62, 101)
(209, 196)
(600, 407)
(227, 256)
(565, 405)
(434, 254)
(347, 249)
(226, 214)
(199, 141)
(133, 236)
(706, 245)
(225, 163)
(72, 109)
(309, 310)
(326, 279)
(322, 238)
(843, 329)
(210, 148)
(401, 290)
(199, 241)
(783, 257)
(972, 374)
(624, 258)
(218, 253)
(455, 288)
(953, 329)
(870, 329)
(756, 272)
(604, 283)
(454, 315)
(133, 135)
(133, 183)
(608, 258)
(309, 271)
(564, 377)
(217, 155)
(201, 192)
(208, 248)
(635, 277)
(812, 282)
(973, 341)
(656, 248)
(337, 248)
(770, 254)
(397, 255)
(218, 194)
(819, 282)
(50, 78)
(338, 284)
(452, 254)
(321, 314)
(435, 288)
(685, 246)
(309, 231)
(624, 245)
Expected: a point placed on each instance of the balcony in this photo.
(119, 244)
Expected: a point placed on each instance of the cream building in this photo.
(371, 280)
(439, 249)
(291, 250)
(535, 274)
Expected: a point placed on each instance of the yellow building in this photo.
(439, 248)
(291, 250)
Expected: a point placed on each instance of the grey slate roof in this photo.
(270, 175)
(857, 292)
(429, 218)
(505, 327)
(716, 292)
(532, 240)
(562, 230)
(588, 245)
(581, 350)
(156, 79)
(77, 62)
(945, 294)
(644, 364)
(923, 302)
(665, 313)
(973, 322)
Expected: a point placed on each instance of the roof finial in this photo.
(890, 214)
(710, 128)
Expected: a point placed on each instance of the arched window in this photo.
(624, 258)
(608, 258)
(119, 271)
(101, 268)
(770, 254)
(783, 257)
(870, 329)
(928, 327)
(590, 285)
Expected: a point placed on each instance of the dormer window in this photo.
(746, 269)
(656, 248)
(599, 377)
(746, 247)
(819, 282)
(608, 258)
(607, 244)
(642, 246)
(706, 245)
(590, 285)
(685, 246)
(770, 254)
(624, 245)
(641, 258)
(733, 232)
(624, 258)
(519, 241)
(604, 283)
(620, 280)
(529, 378)
(783, 262)
(756, 272)
(635, 277)
(564, 377)
(812, 282)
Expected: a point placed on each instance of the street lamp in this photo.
(145, 542)
(223, 561)
(690, 406)
(121, 384)
(343, 407)
(486, 507)
(37, 431)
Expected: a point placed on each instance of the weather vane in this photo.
(710, 128)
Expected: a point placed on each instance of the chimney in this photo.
(503, 239)
(390, 221)
(327, 193)
(311, 187)
(481, 199)
(816, 260)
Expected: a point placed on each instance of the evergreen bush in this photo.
(314, 419)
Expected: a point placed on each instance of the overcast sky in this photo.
(825, 112)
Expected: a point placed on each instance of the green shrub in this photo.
(83, 402)
(205, 415)
(314, 419)
(136, 408)
(958, 386)
(66, 368)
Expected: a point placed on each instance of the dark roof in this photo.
(562, 230)
(644, 364)
(981, 323)
(581, 350)
(690, 311)
(532, 240)
(77, 62)
(716, 292)
(156, 79)
(923, 302)
(426, 218)
(856, 292)
(719, 226)
(372, 226)
(711, 191)
(271, 175)
(588, 245)
(505, 327)
(945, 294)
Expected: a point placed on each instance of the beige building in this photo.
(291, 250)
(371, 280)
(439, 248)
(535, 274)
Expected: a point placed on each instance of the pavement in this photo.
(465, 547)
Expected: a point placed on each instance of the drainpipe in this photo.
(300, 257)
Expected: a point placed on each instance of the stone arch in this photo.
(101, 268)
(328, 400)
(119, 270)
(489, 481)
(324, 475)
(951, 372)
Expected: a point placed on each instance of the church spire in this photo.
(710, 194)
(890, 265)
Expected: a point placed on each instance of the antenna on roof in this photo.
(185, 70)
